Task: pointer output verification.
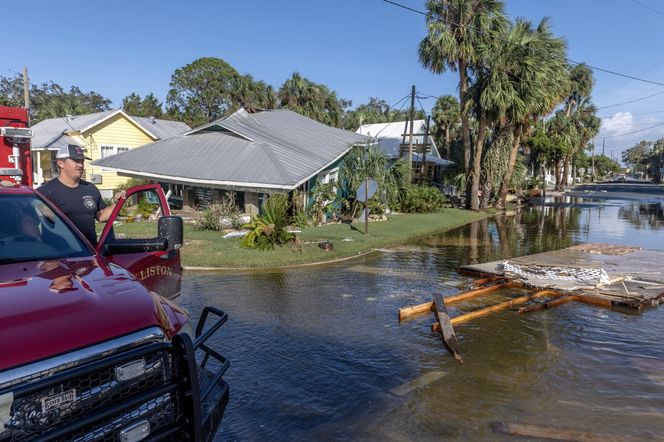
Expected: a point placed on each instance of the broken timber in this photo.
(494, 308)
(633, 277)
(449, 337)
(407, 312)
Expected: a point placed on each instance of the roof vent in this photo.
(153, 120)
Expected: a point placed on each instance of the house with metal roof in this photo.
(252, 154)
(394, 139)
(101, 134)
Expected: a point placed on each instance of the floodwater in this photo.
(318, 353)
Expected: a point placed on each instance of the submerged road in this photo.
(637, 190)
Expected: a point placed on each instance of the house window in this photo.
(329, 176)
(107, 151)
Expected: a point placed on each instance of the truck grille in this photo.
(99, 399)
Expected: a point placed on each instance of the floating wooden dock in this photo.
(625, 276)
(600, 274)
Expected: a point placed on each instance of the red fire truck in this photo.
(15, 145)
(92, 347)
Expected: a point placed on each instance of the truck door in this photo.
(138, 213)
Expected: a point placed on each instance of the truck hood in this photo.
(52, 307)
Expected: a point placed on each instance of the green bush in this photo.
(323, 199)
(300, 216)
(221, 215)
(269, 229)
(376, 207)
(422, 199)
(145, 209)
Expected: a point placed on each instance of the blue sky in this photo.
(360, 48)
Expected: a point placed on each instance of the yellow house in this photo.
(101, 134)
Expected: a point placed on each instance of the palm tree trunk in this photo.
(507, 179)
(557, 175)
(565, 179)
(465, 127)
(477, 167)
(447, 142)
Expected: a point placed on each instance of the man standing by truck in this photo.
(80, 200)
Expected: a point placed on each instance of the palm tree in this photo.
(362, 162)
(446, 114)
(586, 123)
(540, 78)
(312, 100)
(455, 28)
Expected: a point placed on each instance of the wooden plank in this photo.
(482, 281)
(428, 306)
(549, 304)
(494, 308)
(595, 300)
(448, 335)
(543, 432)
(475, 273)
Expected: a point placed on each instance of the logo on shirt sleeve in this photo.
(89, 202)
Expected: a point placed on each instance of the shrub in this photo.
(300, 217)
(269, 229)
(323, 198)
(145, 209)
(422, 199)
(221, 215)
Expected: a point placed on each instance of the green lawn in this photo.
(209, 249)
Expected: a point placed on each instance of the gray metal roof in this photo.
(276, 149)
(162, 129)
(49, 131)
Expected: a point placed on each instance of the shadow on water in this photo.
(318, 353)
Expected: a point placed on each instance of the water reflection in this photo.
(317, 353)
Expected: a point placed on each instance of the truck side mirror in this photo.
(171, 228)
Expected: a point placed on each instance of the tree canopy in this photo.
(136, 106)
(50, 100)
(202, 91)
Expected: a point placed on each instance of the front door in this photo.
(138, 213)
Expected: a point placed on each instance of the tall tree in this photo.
(455, 29)
(446, 115)
(312, 100)
(136, 106)
(50, 100)
(537, 70)
(202, 91)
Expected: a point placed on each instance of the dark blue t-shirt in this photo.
(80, 204)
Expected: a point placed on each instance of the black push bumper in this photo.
(177, 393)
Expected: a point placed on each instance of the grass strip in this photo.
(208, 248)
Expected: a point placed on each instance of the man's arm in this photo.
(104, 214)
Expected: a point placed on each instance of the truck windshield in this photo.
(30, 231)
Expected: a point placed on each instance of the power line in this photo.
(636, 131)
(634, 115)
(625, 82)
(608, 71)
(648, 7)
(387, 124)
(631, 101)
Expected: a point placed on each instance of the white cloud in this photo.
(618, 123)
(634, 130)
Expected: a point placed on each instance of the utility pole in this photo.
(26, 92)
(423, 167)
(603, 140)
(410, 140)
(592, 169)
